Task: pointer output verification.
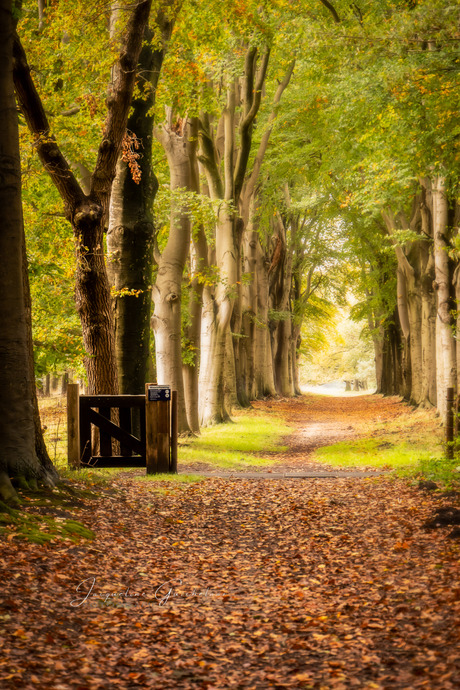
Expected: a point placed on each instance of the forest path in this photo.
(237, 585)
(317, 420)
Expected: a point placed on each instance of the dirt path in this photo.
(324, 420)
(318, 421)
(244, 585)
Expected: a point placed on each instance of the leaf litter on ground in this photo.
(216, 584)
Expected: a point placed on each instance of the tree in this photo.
(176, 139)
(88, 212)
(18, 457)
(382, 139)
(131, 228)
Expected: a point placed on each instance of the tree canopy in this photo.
(323, 144)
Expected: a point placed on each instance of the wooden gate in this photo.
(126, 430)
(115, 416)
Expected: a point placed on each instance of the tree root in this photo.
(7, 491)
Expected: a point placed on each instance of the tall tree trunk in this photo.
(445, 353)
(130, 234)
(88, 213)
(264, 375)
(18, 457)
(254, 372)
(217, 313)
(192, 331)
(391, 382)
(167, 291)
(218, 309)
(409, 302)
(40, 447)
(281, 268)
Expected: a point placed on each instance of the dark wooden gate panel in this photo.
(95, 411)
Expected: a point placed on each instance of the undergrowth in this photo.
(171, 478)
(439, 470)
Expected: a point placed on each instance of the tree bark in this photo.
(445, 353)
(409, 300)
(131, 231)
(18, 457)
(167, 291)
(199, 265)
(218, 308)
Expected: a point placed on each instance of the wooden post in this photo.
(174, 432)
(157, 433)
(450, 424)
(73, 425)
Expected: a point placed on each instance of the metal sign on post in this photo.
(156, 392)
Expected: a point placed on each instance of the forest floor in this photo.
(308, 583)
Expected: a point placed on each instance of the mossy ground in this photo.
(46, 515)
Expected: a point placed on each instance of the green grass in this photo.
(91, 476)
(244, 442)
(372, 452)
(173, 478)
(418, 457)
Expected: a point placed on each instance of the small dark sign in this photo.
(159, 393)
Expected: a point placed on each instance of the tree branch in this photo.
(119, 100)
(251, 108)
(266, 135)
(34, 113)
(332, 10)
(208, 159)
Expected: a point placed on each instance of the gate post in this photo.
(73, 425)
(157, 428)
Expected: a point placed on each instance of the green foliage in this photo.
(209, 46)
(437, 469)
(343, 350)
(56, 327)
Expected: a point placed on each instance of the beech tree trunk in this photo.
(131, 230)
(217, 312)
(218, 307)
(416, 301)
(18, 457)
(445, 353)
(167, 291)
(199, 264)
(253, 359)
(88, 213)
(280, 302)
(391, 379)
